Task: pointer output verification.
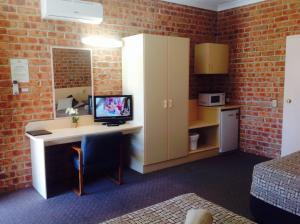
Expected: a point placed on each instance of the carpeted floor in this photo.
(224, 180)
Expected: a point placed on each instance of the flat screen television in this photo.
(113, 110)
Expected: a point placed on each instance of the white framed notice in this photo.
(19, 70)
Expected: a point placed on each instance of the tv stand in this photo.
(114, 123)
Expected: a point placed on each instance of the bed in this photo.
(79, 101)
(174, 211)
(275, 190)
(81, 111)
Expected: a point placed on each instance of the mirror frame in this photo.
(53, 83)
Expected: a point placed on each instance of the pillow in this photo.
(64, 103)
(74, 102)
(198, 216)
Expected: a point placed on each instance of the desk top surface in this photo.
(65, 133)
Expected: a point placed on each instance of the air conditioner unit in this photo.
(72, 10)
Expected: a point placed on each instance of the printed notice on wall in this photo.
(19, 70)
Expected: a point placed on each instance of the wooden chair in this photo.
(98, 153)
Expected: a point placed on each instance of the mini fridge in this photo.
(229, 134)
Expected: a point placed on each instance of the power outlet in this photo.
(24, 90)
(274, 104)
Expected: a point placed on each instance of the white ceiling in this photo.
(216, 5)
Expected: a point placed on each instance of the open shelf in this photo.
(204, 121)
(208, 138)
(202, 148)
(202, 124)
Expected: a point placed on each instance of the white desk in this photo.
(38, 146)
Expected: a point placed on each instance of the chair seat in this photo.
(94, 167)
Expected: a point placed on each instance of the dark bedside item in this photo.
(98, 153)
(39, 132)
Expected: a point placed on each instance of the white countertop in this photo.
(225, 107)
(71, 133)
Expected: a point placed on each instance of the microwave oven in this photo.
(211, 99)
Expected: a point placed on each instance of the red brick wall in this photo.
(71, 68)
(257, 38)
(24, 35)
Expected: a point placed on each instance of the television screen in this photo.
(110, 108)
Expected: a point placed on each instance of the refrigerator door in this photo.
(229, 130)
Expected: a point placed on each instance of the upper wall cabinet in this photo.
(211, 58)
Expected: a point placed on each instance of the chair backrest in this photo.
(101, 149)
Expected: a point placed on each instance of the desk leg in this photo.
(38, 167)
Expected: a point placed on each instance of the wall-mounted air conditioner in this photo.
(72, 10)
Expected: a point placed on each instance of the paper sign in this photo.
(19, 70)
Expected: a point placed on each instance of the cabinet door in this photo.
(156, 142)
(211, 58)
(178, 94)
(201, 61)
(229, 130)
(219, 59)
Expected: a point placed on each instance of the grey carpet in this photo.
(224, 180)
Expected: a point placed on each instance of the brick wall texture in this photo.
(71, 68)
(257, 38)
(24, 35)
(256, 35)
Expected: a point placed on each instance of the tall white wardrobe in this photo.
(156, 72)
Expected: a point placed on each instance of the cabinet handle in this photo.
(170, 103)
(165, 104)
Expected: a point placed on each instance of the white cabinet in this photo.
(178, 94)
(156, 72)
(155, 99)
(229, 130)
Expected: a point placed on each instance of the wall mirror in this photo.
(72, 80)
